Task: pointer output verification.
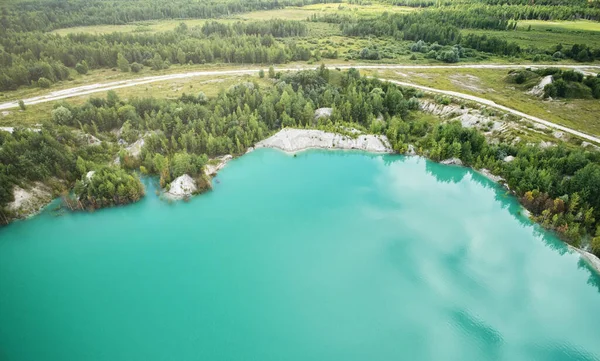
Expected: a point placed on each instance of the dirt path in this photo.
(102, 87)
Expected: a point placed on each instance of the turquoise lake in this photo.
(323, 256)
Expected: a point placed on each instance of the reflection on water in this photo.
(323, 256)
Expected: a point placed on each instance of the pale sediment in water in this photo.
(587, 257)
(296, 140)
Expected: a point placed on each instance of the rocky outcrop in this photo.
(295, 140)
(538, 90)
(452, 161)
(135, 149)
(182, 187)
(323, 112)
(29, 201)
(488, 174)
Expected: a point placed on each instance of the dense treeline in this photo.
(25, 58)
(276, 28)
(45, 15)
(575, 3)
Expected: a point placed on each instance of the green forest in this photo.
(29, 56)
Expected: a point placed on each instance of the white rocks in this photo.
(29, 201)
(508, 158)
(90, 175)
(182, 187)
(212, 169)
(452, 161)
(588, 144)
(451, 110)
(12, 129)
(91, 140)
(295, 140)
(135, 149)
(538, 90)
(411, 150)
(469, 118)
(488, 174)
(323, 112)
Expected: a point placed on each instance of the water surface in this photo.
(325, 256)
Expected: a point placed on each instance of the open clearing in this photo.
(581, 114)
(541, 39)
(579, 25)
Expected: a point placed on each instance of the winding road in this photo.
(101, 87)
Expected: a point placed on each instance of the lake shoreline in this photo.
(292, 141)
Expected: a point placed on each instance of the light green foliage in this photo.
(44, 83)
(62, 115)
(107, 187)
(122, 63)
(82, 68)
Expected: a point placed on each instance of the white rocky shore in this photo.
(216, 165)
(30, 201)
(185, 186)
(182, 187)
(296, 140)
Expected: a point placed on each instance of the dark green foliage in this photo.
(246, 43)
(82, 68)
(44, 83)
(27, 156)
(570, 84)
(107, 187)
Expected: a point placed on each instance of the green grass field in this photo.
(579, 25)
(543, 39)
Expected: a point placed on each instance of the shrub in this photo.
(82, 68)
(136, 67)
(44, 83)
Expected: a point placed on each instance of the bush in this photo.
(22, 105)
(448, 56)
(136, 67)
(44, 83)
(82, 68)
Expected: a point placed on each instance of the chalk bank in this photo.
(296, 140)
